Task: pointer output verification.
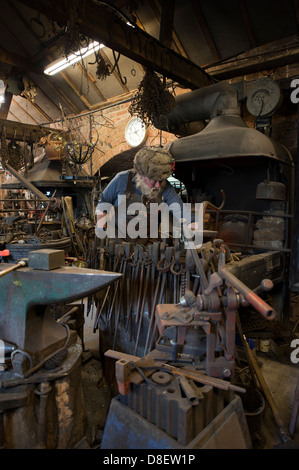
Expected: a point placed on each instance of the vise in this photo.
(28, 289)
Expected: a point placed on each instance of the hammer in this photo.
(21, 264)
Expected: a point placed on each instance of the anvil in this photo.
(26, 319)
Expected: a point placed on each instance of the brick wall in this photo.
(110, 124)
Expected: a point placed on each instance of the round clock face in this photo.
(136, 132)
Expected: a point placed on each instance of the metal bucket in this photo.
(254, 405)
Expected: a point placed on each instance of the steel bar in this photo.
(45, 213)
(122, 270)
(204, 379)
(27, 183)
(152, 313)
(259, 304)
(142, 309)
(20, 264)
(96, 323)
(199, 267)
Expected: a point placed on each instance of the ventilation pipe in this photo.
(206, 103)
(225, 136)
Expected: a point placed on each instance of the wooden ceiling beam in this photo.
(166, 22)
(4, 107)
(247, 23)
(21, 64)
(91, 80)
(102, 25)
(24, 110)
(157, 9)
(17, 61)
(205, 29)
(61, 95)
(35, 106)
(21, 131)
(271, 55)
(73, 85)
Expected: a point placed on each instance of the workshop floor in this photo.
(280, 375)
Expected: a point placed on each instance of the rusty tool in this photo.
(249, 295)
(45, 213)
(163, 266)
(188, 390)
(204, 379)
(100, 310)
(135, 264)
(148, 363)
(145, 264)
(199, 266)
(152, 318)
(119, 259)
(295, 410)
(120, 297)
(21, 264)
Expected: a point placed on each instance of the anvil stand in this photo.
(41, 398)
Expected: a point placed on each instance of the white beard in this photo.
(149, 193)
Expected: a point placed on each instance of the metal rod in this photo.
(259, 304)
(45, 213)
(20, 264)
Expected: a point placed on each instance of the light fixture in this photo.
(2, 92)
(61, 64)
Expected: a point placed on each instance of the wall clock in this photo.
(135, 132)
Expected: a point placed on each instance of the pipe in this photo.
(259, 304)
(205, 103)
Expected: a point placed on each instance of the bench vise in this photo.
(28, 289)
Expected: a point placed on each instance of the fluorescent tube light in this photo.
(2, 91)
(61, 64)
